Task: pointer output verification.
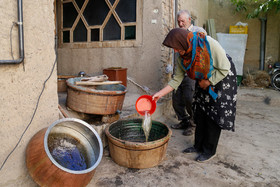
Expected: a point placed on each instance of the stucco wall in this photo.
(273, 36)
(21, 86)
(198, 10)
(142, 62)
(224, 15)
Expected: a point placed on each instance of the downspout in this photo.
(263, 40)
(175, 13)
(20, 33)
(176, 25)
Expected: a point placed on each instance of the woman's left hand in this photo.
(204, 84)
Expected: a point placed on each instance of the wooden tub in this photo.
(100, 100)
(128, 146)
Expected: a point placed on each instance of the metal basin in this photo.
(65, 154)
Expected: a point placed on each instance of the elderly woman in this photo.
(214, 103)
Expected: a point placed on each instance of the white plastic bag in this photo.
(241, 24)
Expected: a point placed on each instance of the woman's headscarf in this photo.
(177, 39)
(197, 60)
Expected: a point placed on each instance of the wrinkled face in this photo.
(183, 21)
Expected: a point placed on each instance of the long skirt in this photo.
(222, 110)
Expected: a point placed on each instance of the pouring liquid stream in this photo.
(147, 124)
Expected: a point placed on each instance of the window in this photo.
(99, 23)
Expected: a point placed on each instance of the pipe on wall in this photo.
(263, 40)
(175, 8)
(175, 12)
(20, 33)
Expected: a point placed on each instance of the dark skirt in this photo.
(222, 110)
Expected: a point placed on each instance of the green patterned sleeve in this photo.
(220, 62)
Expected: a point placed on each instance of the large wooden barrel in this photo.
(64, 154)
(128, 146)
(100, 100)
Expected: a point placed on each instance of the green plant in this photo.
(256, 8)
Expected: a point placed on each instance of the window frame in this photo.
(101, 43)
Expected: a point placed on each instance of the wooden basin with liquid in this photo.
(128, 146)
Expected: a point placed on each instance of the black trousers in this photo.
(182, 99)
(207, 133)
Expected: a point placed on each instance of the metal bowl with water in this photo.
(64, 154)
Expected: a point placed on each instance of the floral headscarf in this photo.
(197, 60)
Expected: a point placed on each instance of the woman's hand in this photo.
(162, 92)
(157, 96)
(204, 84)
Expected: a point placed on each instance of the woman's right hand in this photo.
(157, 96)
(162, 93)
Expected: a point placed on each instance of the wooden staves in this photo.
(93, 83)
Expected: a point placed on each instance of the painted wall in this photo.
(198, 10)
(22, 85)
(142, 62)
(273, 37)
(224, 15)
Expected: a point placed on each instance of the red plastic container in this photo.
(145, 103)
